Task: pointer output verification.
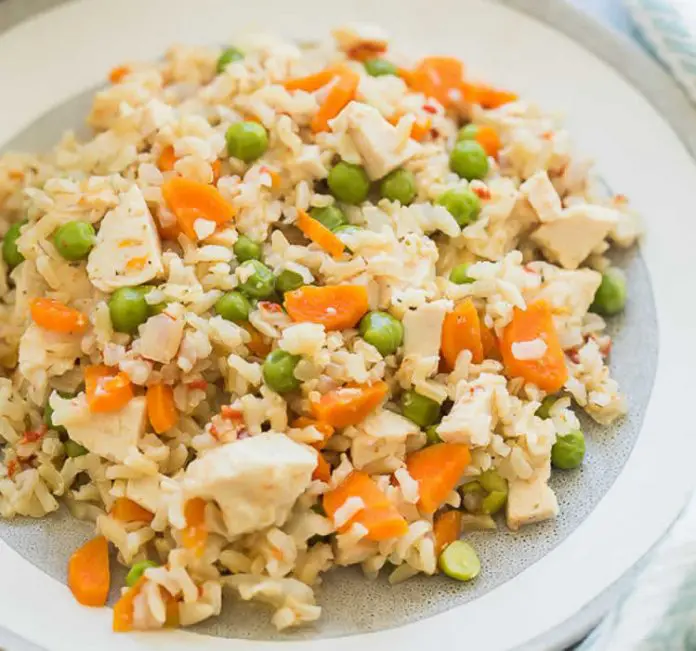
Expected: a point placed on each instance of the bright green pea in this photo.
(137, 571)
(610, 298)
(10, 252)
(459, 561)
(399, 185)
(73, 449)
(544, 410)
(288, 281)
(462, 204)
(379, 67)
(491, 481)
(228, 56)
(569, 450)
(128, 309)
(330, 216)
(469, 160)
(383, 331)
(459, 275)
(233, 306)
(493, 502)
(246, 140)
(348, 183)
(468, 132)
(431, 435)
(419, 409)
(261, 283)
(75, 240)
(279, 371)
(246, 249)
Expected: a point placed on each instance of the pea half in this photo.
(569, 450)
(246, 140)
(330, 216)
(610, 298)
(74, 449)
(128, 309)
(288, 281)
(462, 204)
(261, 281)
(279, 371)
(10, 252)
(459, 275)
(379, 67)
(348, 183)
(469, 160)
(246, 249)
(459, 561)
(137, 571)
(74, 240)
(399, 185)
(233, 306)
(421, 410)
(383, 331)
(228, 56)
(544, 410)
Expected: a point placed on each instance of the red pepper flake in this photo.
(12, 468)
(269, 306)
(32, 436)
(482, 192)
(231, 413)
(434, 133)
(198, 384)
(429, 109)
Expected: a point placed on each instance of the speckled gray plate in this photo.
(353, 606)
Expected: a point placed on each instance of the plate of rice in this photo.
(335, 325)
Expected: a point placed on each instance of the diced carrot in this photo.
(461, 330)
(349, 404)
(160, 407)
(548, 372)
(336, 307)
(166, 159)
(437, 469)
(172, 609)
(342, 92)
(490, 343)
(195, 536)
(319, 234)
(118, 73)
(488, 138)
(126, 510)
(324, 428)
(216, 167)
(439, 77)
(123, 609)
(419, 130)
(258, 344)
(55, 316)
(106, 388)
(447, 528)
(367, 50)
(191, 200)
(275, 177)
(89, 575)
(323, 470)
(486, 96)
(311, 83)
(379, 516)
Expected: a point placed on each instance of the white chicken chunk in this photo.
(380, 144)
(531, 500)
(575, 234)
(127, 251)
(254, 481)
(423, 329)
(44, 354)
(542, 196)
(160, 338)
(112, 435)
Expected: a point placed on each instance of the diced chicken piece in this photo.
(127, 251)
(579, 230)
(44, 354)
(254, 481)
(160, 338)
(471, 419)
(531, 501)
(542, 196)
(145, 491)
(381, 439)
(423, 328)
(380, 145)
(357, 35)
(112, 435)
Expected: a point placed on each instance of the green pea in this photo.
(279, 371)
(610, 298)
(233, 306)
(288, 281)
(421, 410)
(10, 252)
(569, 450)
(261, 283)
(75, 240)
(246, 140)
(246, 249)
(491, 481)
(431, 435)
(469, 160)
(136, 572)
(462, 204)
(228, 56)
(379, 67)
(459, 275)
(459, 561)
(128, 309)
(74, 449)
(48, 420)
(544, 410)
(399, 185)
(348, 183)
(468, 132)
(472, 488)
(383, 331)
(330, 216)
(493, 502)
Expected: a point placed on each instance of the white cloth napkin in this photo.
(669, 28)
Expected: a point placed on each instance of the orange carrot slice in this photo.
(447, 528)
(258, 344)
(461, 330)
(349, 404)
(57, 317)
(337, 307)
(126, 510)
(167, 159)
(190, 200)
(341, 93)
(123, 609)
(89, 575)
(319, 234)
(379, 516)
(195, 536)
(311, 83)
(486, 96)
(437, 469)
(323, 470)
(117, 74)
(106, 389)
(549, 372)
(160, 407)
(324, 428)
(438, 77)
